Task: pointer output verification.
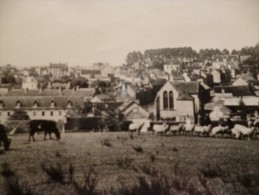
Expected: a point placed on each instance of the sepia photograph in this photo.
(129, 97)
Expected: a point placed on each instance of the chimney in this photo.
(60, 91)
(68, 85)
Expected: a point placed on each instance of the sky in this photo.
(82, 32)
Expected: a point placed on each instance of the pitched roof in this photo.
(44, 102)
(51, 92)
(235, 90)
(58, 65)
(158, 82)
(184, 96)
(15, 92)
(125, 105)
(189, 87)
(91, 72)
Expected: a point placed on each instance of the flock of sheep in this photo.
(237, 131)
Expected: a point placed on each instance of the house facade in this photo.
(171, 67)
(134, 112)
(29, 83)
(46, 104)
(58, 70)
(177, 100)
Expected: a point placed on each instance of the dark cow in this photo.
(4, 138)
(48, 126)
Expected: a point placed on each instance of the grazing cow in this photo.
(47, 126)
(4, 138)
(160, 129)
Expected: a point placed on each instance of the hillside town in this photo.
(179, 88)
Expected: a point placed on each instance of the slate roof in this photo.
(51, 92)
(3, 91)
(189, 87)
(43, 102)
(125, 105)
(58, 65)
(90, 72)
(248, 76)
(158, 82)
(89, 92)
(184, 96)
(14, 92)
(235, 90)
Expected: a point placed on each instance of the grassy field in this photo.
(113, 163)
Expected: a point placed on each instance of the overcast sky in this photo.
(81, 32)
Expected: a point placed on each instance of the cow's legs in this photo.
(31, 135)
(50, 135)
(45, 135)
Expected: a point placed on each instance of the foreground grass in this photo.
(120, 165)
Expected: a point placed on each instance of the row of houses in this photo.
(139, 93)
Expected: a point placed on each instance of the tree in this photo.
(225, 52)
(234, 52)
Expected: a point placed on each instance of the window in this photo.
(165, 100)
(35, 104)
(52, 104)
(18, 104)
(171, 100)
(43, 113)
(69, 104)
(1, 104)
(51, 113)
(8, 113)
(34, 113)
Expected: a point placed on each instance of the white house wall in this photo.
(181, 108)
(37, 114)
(5, 114)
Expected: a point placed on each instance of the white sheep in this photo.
(135, 127)
(202, 130)
(160, 129)
(242, 130)
(188, 128)
(218, 129)
(175, 129)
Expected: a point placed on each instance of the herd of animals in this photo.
(236, 130)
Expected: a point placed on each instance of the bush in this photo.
(212, 171)
(106, 142)
(124, 163)
(7, 171)
(55, 173)
(89, 185)
(138, 149)
(15, 188)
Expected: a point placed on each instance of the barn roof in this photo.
(43, 102)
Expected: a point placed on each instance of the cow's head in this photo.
(57, 134)
(7, 144)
